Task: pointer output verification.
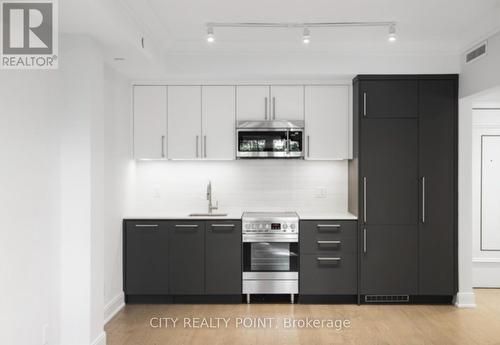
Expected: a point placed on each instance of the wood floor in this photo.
(370, 324)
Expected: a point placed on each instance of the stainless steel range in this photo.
(270, 253)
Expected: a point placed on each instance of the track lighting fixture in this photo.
(392, 37)
(306, 36)
(210, 35)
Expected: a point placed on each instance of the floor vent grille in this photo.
(387, 298)
(476, 52)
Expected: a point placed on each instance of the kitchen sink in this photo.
(208, 215)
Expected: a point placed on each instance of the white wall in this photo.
(81, 174)
(486, 264)
(465, 296)
(29, 239)
(483, 73)
(53, 177)
(116, 183)
(179, 187)
(308, 65)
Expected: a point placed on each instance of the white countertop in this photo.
(238, 214)
(326, 215)
(185, 216)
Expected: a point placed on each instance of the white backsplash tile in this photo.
(180, 186)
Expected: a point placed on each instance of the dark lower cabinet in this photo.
(389, 260)
(170, 261)
(331, 274)
(186, 256)
(146, 265)
(328, 258)
(223, 258)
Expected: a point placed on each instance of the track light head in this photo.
(306, 36)
(392, 37)
(210, 35)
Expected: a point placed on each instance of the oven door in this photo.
(270, 253)
(266, 143)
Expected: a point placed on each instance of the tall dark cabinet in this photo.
(405, 163)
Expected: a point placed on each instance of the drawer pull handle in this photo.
(146, 225)
(328, 259)
(186, 226)
(329, 242)
(328, 226)
(223, 225)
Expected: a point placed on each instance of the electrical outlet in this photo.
(156, 192)
(45, 334)
(320, 192)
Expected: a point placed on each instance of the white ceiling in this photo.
(177, 27)
(439, 25)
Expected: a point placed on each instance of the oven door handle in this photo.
(289, 238)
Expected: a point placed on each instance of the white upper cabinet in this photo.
(327, 122)
(218, 122)
(184, 122)
(150, 122)
(198, 122)
(252, 102)
(287, 102)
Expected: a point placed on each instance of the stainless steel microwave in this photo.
(270, 139)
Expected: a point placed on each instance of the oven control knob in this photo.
(247, 226)
(268, 226)
(292, 226)
(254, 226)
(285, 226)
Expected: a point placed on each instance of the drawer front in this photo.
(327, 245)
(328, 274)
(318, 237)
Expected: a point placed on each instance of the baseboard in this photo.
(486, 273)
(465, 300)
(100, 340)
(112, 308)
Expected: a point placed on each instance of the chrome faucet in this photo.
(209, 198)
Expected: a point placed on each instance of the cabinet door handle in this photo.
(274, 108)
(265, 108)
(197, 144)
(205, 145)
(364, 240)
(335, 226)
(364, 199)
(308, 147)
(186, 225)
(328, 242)
(423, 199)
(364, 103)
(328, 259)
(162, 146)
(223, 225)
(146, 225)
